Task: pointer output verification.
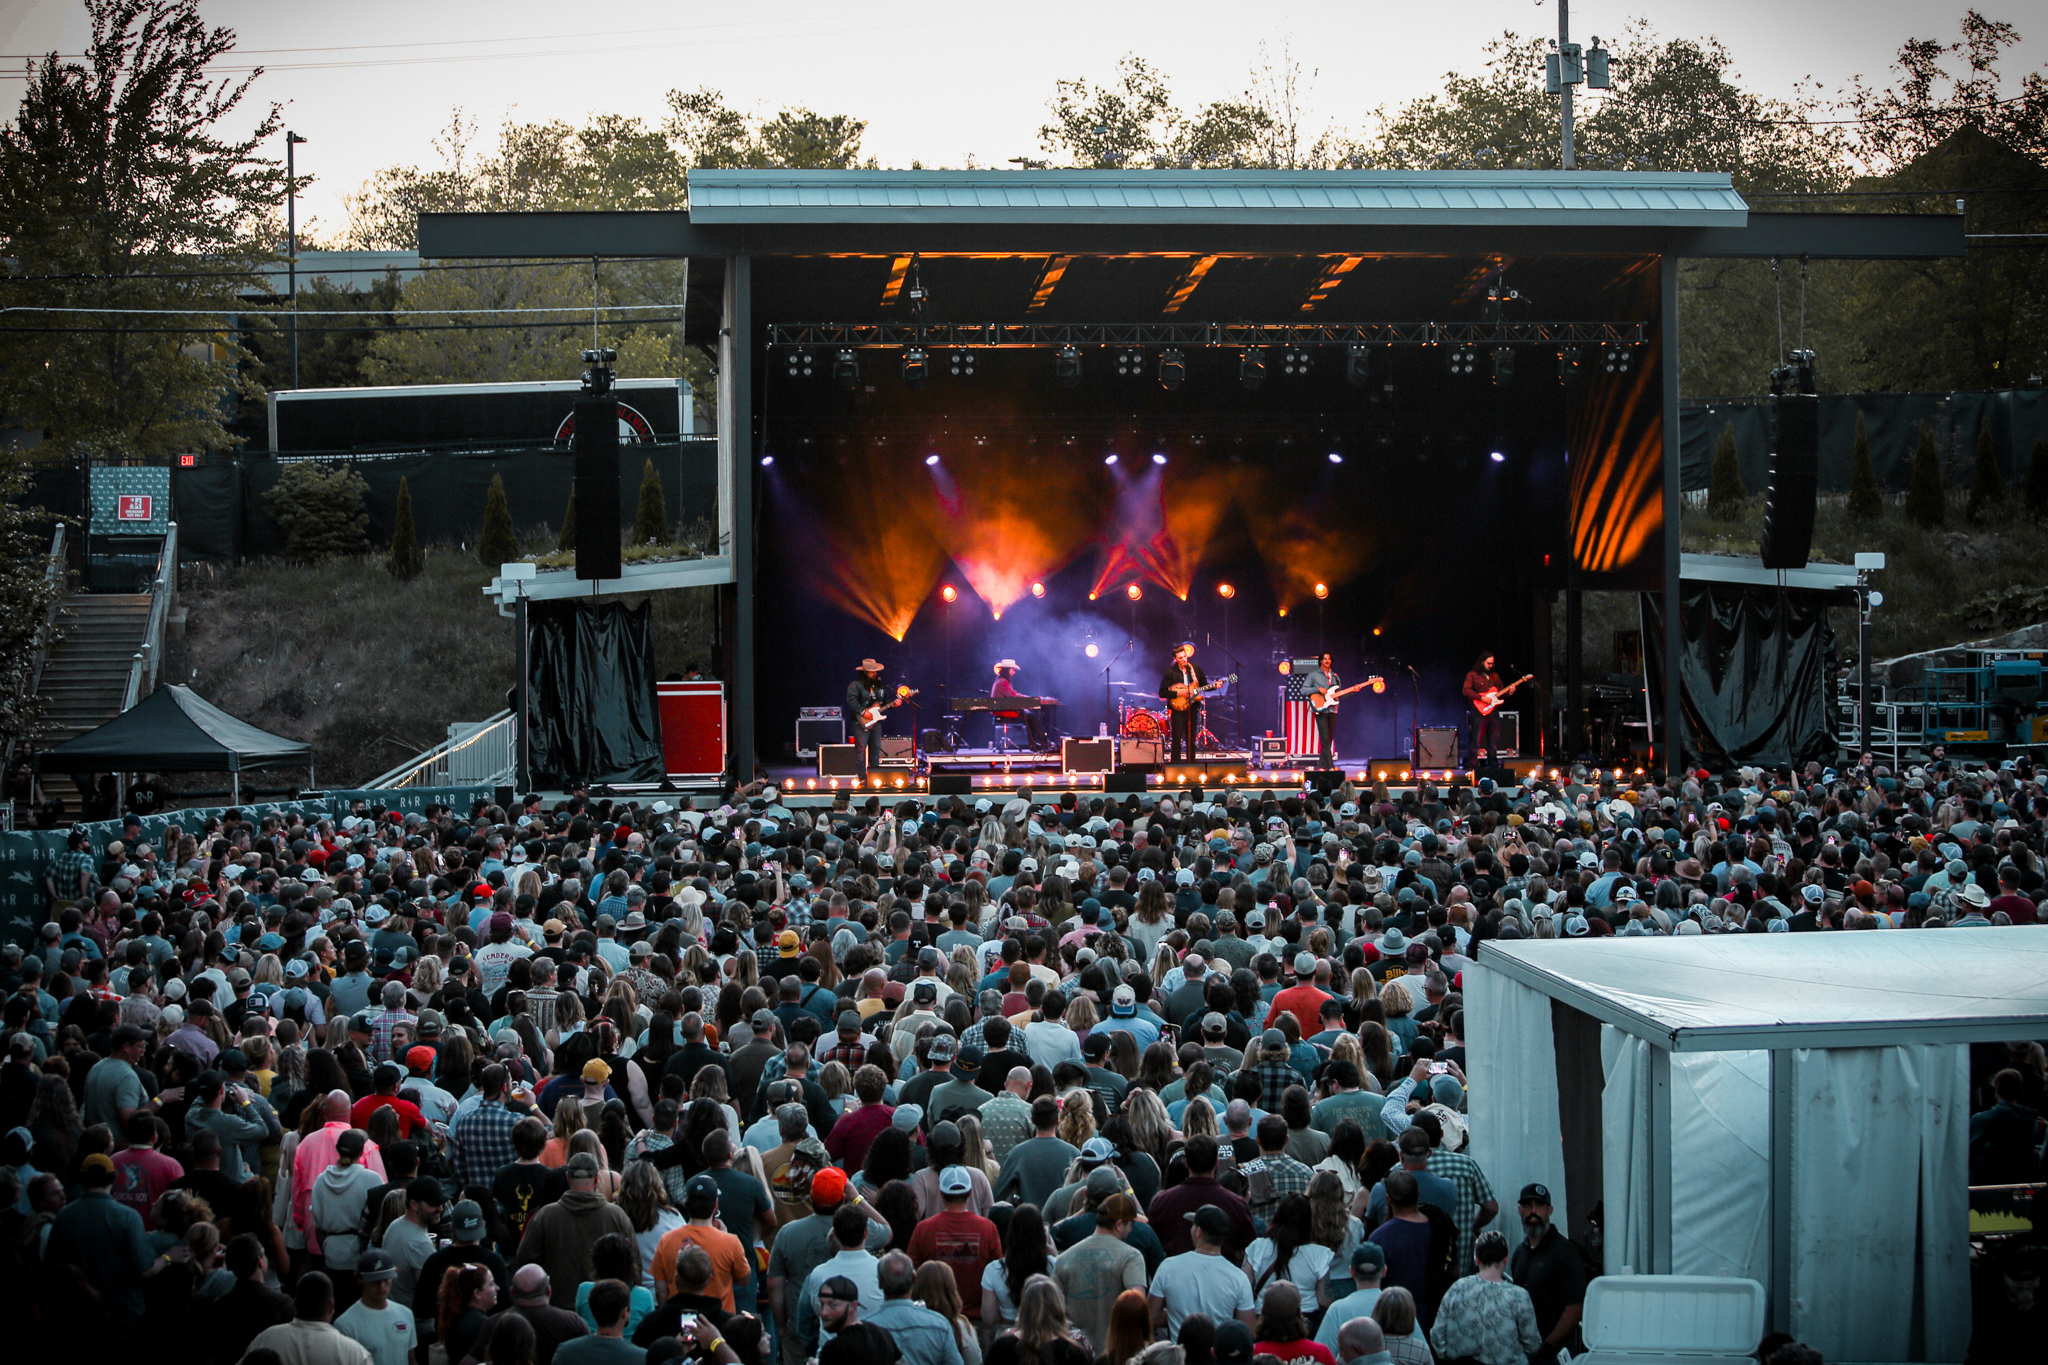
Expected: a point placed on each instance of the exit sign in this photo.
(135, 507)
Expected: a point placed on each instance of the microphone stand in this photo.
(1414, 717)
(1236, 691)
(1109, 692)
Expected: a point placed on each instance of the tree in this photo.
(28, 596)
(331, 350)
(650, 518)
(1926, 502)
(497, 544)
(566, 541)
(1725, 492)
(1866, 499)
(2036, 487)
(1131, 123)
(1987, 483)
(117, 191)
(322, 510)
(407, 560)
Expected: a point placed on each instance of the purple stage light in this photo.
(1498, 458)
(1158, 458)
(1109, 459)
(931, 459)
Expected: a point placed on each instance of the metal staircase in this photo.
(85, 679)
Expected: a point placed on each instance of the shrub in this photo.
(1987, 484)
(566, 542)
(1725, 492)
(1925, 500)
(2035, 490)
(497, 545)
(406, 560)
(1866, 499)
(650, 519)
(322, 510)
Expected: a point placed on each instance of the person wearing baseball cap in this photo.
(558, 1237)
(730, 1264)
(1549, 1265)
(467, 1246)
(957, 1235)
(1201, 1281)
(375, 1322)
(104, 1239)
(1101, 1266)
(1368, 1267)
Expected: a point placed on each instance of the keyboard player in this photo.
(1006, 686)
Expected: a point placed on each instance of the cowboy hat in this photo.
(868, 666)
(1002, 664)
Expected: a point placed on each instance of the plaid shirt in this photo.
(975, 1036)
(853, 1056)
(1473, 1190)
(381, 1027)
(1289, 1177)
(64, 870)
(797, 913)
(483, 1142)
(1275, 1075)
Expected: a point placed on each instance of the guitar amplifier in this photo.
(896, 751)
(1508, 733)
(816, 725)
(1436, 746)
(1091, 756)
(1130, 751)
(838, 760)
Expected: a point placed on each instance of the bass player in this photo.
(1325, 694)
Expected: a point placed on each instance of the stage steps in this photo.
(85, 678)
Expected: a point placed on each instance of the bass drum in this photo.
(1142, 724)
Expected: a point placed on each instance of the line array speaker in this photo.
(596, 439)
(1795, 481)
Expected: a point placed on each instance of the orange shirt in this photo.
(728, 1261)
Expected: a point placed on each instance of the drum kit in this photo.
(1141, 715)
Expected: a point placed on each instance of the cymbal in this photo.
(1123, 682)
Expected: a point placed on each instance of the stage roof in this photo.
(1441, 198)
(1746, 991)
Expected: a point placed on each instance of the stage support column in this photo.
(736, 440)
(1574, 668)
(1674, 633)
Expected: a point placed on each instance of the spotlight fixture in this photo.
(1295, 360)
(1615, 359)
(767, 462)
(1322, 591)
(932, 458)
(1464, 360)
(1503, 366)
(1226, 591)
(846, 369)
(1092, 650)
(1336, 458)
(1286, 665)
(1567, 363)
(1173, 370)
(1158, 457)
(1130, 363)
(916, 367)
(1497, 457)
(1358, 366)
(1251, 366)
(797, 363)
(960, 364)
(1067, 366)
(1038, 589)
(1135, 593)
(949, 593)
(1109, 458)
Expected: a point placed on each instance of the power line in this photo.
(303, 327)
(328, 312)
(320, 272)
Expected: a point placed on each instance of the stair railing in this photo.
(148, 662)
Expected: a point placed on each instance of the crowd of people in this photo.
(1014, 1080)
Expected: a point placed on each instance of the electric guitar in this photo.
(1325, 699)
(870, 715)
(1187, 694)
(1486, 703)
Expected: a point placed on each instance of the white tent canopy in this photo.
(1789, 1108)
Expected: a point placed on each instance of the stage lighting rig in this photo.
(960, 364)
(1796, 375)
(597, 380)
(846, 369)
(1503, 366)
(1295, 360)
(916, 368)
(1251, 366)
(1173, 370)
(1130, 363)
(1358, 366)
(1464, 360)
(1567, 363)
(1066, 366)
(1616, 359)
(798, 363)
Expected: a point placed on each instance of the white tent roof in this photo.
(1746, 991)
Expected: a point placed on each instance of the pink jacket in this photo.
(316, 1154)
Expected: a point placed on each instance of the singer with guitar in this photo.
(1181, 689)
(867, 704)
(1324, 695)
(1483, 691)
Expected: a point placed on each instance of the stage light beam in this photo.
(1109, 458)
(1336, 458)
(1158, 458)
(949, 593)
(1322, 591)
(1497, 457)
(1226, 591)
(767, 461)
(1092, 650)
(1038, 589)
(932, 458)
(1135, 593)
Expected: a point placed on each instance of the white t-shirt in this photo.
(1307, 1269)
(387, 1333)
(1194, 1283)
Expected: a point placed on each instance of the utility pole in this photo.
(1568, 66)
(291, 236)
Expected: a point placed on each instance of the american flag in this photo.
(1298, 717)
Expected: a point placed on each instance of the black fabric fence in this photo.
(2018, 418)
(593, 713)
(1756, 673)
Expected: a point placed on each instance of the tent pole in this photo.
(1660, 1161)
(1784, 1095)
(235, 783)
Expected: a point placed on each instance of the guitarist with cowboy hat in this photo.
(1185, 721)
(866, 691)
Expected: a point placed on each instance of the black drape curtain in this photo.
(1756, 667)
(593, 716)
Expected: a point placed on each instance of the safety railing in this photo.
(483, 757)
(148, 662)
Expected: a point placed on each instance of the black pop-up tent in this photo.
(175, 730)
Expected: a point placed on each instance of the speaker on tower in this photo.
(1794, 482)
(596, 443)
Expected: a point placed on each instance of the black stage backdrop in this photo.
(1754, 681)
(593, 694)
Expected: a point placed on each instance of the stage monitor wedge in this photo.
(1795, 481)
(596, 442)
(952, 784)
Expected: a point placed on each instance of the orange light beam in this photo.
(894, 287)
(1188, 284)
(1048, 280)
(1332, 277)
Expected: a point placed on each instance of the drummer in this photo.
(1006, 686)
